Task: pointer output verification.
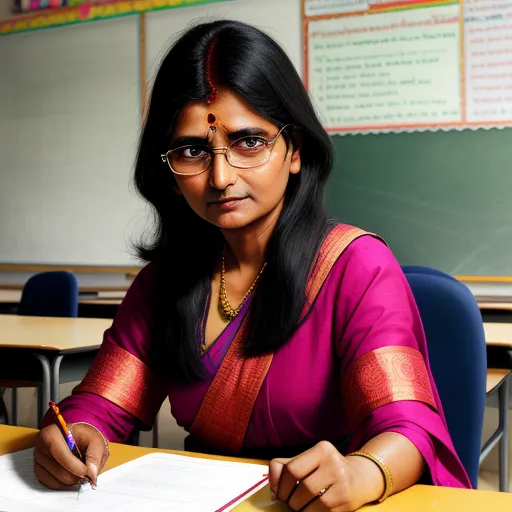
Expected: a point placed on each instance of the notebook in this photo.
(156, 482)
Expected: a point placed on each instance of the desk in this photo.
(500, 306)
(48, 350)
(496, 311)
(498, 334)
(14, 297)
(103, 305)
(420, 498)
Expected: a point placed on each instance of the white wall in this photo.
(5, 9)
(281, 19)
(69, 124)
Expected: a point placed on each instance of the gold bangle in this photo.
(383, 468)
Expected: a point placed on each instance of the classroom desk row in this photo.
(420, 498)
(104, 304)
(58, 350)
(90, 305)
(46, 350)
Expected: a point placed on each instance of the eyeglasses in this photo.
(245, 153)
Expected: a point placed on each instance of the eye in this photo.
(192, 152)
(250, 143)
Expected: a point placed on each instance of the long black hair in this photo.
(186, 247)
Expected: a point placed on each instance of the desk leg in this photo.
(44, 392)
(55, 378)
(503, 394)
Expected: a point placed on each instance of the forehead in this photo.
(230, 110)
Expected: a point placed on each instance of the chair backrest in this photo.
(50, 294)
(457, 352)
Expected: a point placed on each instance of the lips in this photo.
(227, 203)
(225, 200)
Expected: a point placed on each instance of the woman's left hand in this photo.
(323, 480)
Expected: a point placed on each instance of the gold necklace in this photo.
(224, 306)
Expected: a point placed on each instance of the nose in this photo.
(222, 175)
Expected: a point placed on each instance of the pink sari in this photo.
(356, 367)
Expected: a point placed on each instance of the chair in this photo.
(497, 381)
(457, 353)
(44, 294)
(50, 294)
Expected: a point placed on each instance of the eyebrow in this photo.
(190, 140)
(247, 132)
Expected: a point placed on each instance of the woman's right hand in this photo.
(54, 464)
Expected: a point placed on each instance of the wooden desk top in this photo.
(494, 377)
(52, 333)
(420, 498)
(501, 306)
(103, 298)
(498, 334)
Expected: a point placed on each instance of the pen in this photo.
(68, 436)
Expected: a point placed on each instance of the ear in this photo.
(177, 190)
(295, 162)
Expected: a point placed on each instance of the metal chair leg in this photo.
(14, 406)
(4, 416)
(40, 406)
(155, 432)
(503, 397)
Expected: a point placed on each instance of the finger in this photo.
(94, 449)
(53, 440)
(311, 489)
(46, 478)
(274, 473)
(58, 472)
(334, 498)
(296, 470)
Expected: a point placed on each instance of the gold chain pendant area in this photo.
(224, 306)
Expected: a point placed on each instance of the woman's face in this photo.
(229, 197)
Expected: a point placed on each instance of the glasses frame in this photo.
(223, 150)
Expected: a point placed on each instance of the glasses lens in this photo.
(189, 159)
(249, 152)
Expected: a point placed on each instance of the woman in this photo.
(274, 332)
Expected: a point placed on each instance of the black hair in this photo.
(186, 247)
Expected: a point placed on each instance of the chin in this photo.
(230, 221)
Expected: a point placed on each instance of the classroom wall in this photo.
(5, 9)
(281, 19)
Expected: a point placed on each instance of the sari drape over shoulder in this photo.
(356, 367)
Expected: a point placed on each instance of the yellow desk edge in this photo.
(420, 498)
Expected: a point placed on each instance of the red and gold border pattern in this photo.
(126, 381)
(383, 376)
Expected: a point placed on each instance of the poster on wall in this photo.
(56, 13)
(417, 65)
(19, 6)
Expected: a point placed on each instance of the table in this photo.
(420, 498)
(102, 305)
(496, 311)
(498, 334)
(48, 350)
(501, 306)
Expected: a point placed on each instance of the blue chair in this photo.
(52, 294)
(497, 381)
(457, 352)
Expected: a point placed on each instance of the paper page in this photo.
(156, 482)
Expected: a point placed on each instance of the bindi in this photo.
(211, 119)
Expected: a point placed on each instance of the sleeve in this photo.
(386, 382)
(122, 391)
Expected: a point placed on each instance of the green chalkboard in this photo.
(441, 199)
